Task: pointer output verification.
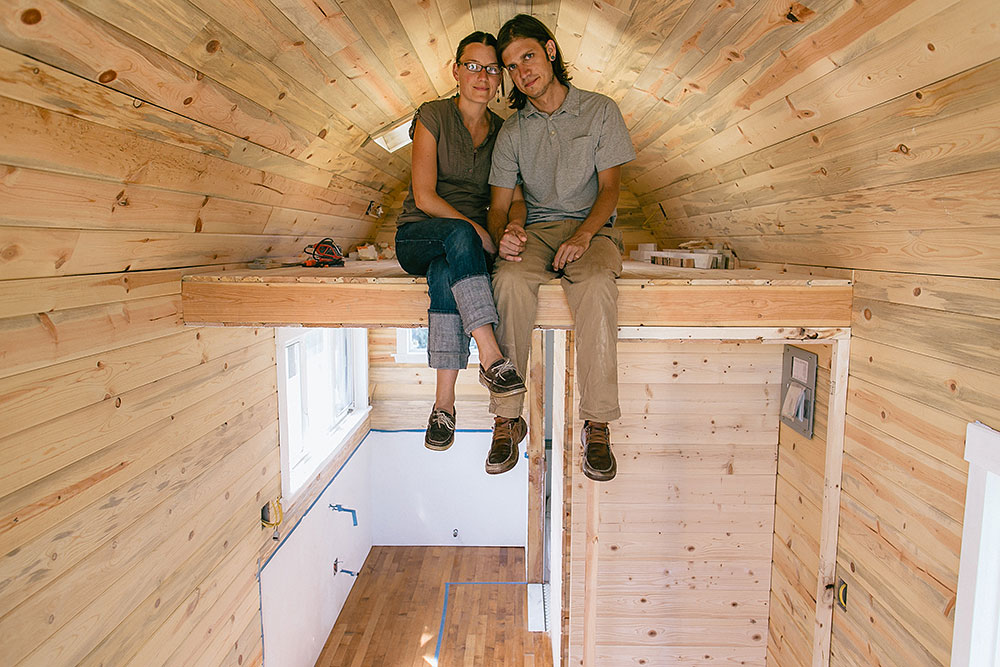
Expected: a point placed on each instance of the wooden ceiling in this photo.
(313, 78)
(702, 84)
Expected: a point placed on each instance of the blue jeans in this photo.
(450, 253)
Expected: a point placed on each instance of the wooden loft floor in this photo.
(396, 616)
(377, 294)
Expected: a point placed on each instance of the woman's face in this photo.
(478, 86)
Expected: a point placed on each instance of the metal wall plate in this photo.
(798, 389)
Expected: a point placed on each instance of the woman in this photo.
(442, 231)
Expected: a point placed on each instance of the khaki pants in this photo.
(590, 288)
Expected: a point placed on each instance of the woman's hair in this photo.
(480, 37)
(477, 37)
(523, 26)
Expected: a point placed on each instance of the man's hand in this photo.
(572, 249)
(512, 243)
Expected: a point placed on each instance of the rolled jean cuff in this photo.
(447, 344)
(474, 298)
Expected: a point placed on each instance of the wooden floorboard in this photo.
(393, 616)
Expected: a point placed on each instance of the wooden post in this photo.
(827, 579)
(590, 575)
(535, 552)
(565, 361)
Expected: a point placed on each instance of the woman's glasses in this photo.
(492, 70)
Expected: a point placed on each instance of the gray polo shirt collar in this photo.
(570, 105)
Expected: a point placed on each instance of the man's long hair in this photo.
(523, 26)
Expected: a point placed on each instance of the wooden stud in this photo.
(590, 576)
(827, 583)
(536, 539)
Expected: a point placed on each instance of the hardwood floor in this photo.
(437, 607)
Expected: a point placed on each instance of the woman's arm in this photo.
(423, 172)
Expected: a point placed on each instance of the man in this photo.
(566, 146)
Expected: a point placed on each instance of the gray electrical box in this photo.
(798, 389)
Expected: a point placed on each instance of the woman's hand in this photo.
(484, 236)
(512, 243)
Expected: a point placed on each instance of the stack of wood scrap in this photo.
(698, 255)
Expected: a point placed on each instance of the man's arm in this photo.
(506, 218)
(608, 189)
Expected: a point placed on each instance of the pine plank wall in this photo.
(870, 146)
(141, 141)
(135, 453)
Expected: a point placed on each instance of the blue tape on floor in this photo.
(444, 609)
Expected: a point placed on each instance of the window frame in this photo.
(977, 611)
(338, 436)
(407, 353)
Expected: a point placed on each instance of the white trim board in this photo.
(976, 639)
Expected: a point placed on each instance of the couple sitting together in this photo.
(530, 199)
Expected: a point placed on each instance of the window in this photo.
(411, 347)
(976, 638)
(322, 396)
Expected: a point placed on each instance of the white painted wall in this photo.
(404, 494)
(420, 496)
(300, 595)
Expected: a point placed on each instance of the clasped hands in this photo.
(514, 239)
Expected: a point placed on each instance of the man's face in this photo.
(529, 65)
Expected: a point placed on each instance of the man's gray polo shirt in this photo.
(557, 156)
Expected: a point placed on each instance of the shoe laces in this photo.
(503, 367)
(597, 436)
(504, 427)
(441, 418)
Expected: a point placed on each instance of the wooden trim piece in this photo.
(801, 335)
(566, 363)
(836, 423)
(590, 575)
(535, 551)
(260, 302)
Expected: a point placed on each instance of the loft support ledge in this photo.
(381, 295)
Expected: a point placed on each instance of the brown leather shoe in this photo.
(598, 460)
(507, 433)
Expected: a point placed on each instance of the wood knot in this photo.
(798, 13)
(281, 95)
(213, 46)
(188, 100)
(930, 47)
(903, 148)
(916, 291)
(107, 76)
(322, 133)
(31, 16)
(868, 313)
(10, 252)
